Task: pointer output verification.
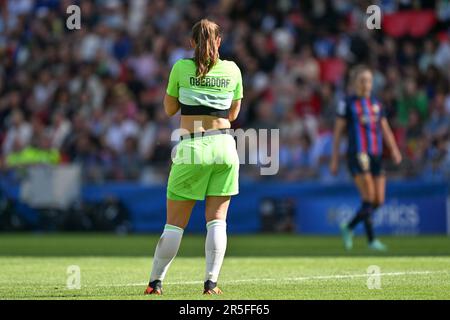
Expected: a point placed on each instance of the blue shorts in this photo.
(359, 163)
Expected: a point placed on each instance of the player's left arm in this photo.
(390, 141)
(171, 105)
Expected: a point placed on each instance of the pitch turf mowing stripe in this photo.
(317, 278)
(277, 246)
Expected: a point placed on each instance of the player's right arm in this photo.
(339, 127)
(237, 97)
(234, 110)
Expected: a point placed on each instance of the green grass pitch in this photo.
(34, 266)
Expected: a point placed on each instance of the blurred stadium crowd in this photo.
(93, 96)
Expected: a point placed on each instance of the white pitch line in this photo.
(326, 277)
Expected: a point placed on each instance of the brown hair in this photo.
(205, 34)
(357, 70)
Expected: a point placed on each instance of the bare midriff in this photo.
(203, 123)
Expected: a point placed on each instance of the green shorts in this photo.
(204, 166)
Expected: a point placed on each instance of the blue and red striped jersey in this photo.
(363, 117)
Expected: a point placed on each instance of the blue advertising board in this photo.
(408, 210)
(412, 207)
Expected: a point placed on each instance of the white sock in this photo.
(215, 246)
(166, 250)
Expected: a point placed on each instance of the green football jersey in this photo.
(218, 89)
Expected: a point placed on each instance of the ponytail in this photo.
(205, 34)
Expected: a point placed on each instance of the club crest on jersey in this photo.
(364, 119)
(376, 108)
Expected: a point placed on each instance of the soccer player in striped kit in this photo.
(363, 117)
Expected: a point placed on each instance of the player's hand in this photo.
(396, 157)
(334, 166)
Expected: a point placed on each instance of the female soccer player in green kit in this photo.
(208, 91)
